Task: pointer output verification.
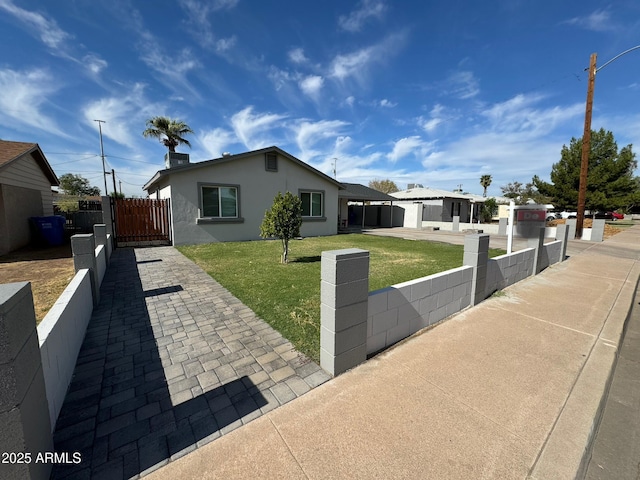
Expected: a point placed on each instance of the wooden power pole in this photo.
(586, 147)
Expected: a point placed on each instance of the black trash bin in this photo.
(49, 230)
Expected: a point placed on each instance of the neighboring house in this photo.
(26, 179)
(225, 199)
(441, 205)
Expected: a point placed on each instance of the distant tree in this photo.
(73, 184)
(283, 221)
(169, 131)
(610, 181)
(521, 194)
(489, 209)
(384, 186)
(485, 181)
(117, 195)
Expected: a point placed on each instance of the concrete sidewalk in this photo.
(510, 388)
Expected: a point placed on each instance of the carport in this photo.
(359, 214)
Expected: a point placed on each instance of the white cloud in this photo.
(225, 44)
(357, 64)
(217, 141)
(350, 100)
(296, 55)
(407, 146)
(519, 139)
(199, 25)
(47, 29)
(355, 21)
(387, 104)
(250, 128)
(309, 134)
(598, 21)
(22, 97)
(125, 114)
(311, 86)
(462, 85)
(437, 116)
(94, 63)
(173, 68)
(519, 114)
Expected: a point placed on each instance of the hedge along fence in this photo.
(37, 363)
(356, 323)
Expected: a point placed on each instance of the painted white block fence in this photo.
(37, 363)
(355, 324)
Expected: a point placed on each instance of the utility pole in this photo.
(120, 185)
(586, 147)
(104, 172)
(113, 177)
(335, 164)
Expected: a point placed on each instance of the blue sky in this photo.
(437, 93)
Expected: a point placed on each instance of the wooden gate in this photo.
(141, 222)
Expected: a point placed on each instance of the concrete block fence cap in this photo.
(345, 253)
(9, 291)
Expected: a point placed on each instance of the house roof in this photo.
(356, 192)
(12, 151)
(230, 158)
(427, 193)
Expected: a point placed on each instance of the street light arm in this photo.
(617, 57)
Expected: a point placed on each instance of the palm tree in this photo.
(169, 131)
(485, 181)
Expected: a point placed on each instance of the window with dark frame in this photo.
(219, 202)
(311, 204)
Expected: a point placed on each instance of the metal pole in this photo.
(104, 171)
(586, 147)
(512, 209)
(113, 177)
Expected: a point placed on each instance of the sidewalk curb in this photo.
(567, 450)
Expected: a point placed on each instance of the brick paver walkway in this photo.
(171, 361)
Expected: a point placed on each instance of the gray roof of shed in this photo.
(356, 192)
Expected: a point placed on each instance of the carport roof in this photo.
(356, 192)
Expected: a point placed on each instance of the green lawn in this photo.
(288, 296)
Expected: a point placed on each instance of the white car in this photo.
(566, 214)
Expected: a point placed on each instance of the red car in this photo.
(616, 215)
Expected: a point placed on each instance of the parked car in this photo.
(567, 214)
(616, 215)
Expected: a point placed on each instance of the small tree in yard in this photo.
(283, 221)
(489, 209)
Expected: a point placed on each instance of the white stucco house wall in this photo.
(225, 199)
(441, 205)
(26, 179)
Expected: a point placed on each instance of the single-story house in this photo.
(441, 205)
(26, 179)
(225, 199)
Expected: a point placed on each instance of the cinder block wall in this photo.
(401, 310)
(551, 254)
(507, 269)
(60, 334)
(24, 415)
